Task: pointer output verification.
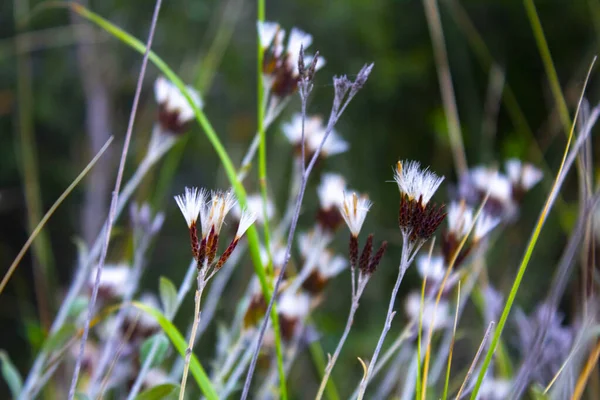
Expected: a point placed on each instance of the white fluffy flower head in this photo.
(331, 191)
(170, 97)
(215, 210)
(190, 203)
(432, 317)
(522, 175)
(460, 218)
(246, 220)
(434, 269)
(416, 183)
(484, 225)
(294, 305)
(354, 210)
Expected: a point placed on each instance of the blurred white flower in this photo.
(114, 280)
(413, 310)
(460, 218)
(174, 109)
(314, 132)
(434, 269)
(523, 176)
(331, 191)
(254, 204)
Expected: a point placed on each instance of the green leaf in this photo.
(168, 295)
(59, 338)
(166, 391)
(161, 351)
(81, 396)
(78, 306)
(181, 345)
(11, 375)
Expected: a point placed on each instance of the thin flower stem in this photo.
(336, 112)
(477, 355)
(114, 200)
(445, 395)
(332, 360)
(109, 347)
(185, 287)
(333, 118)
(202, 281)
(405, 261)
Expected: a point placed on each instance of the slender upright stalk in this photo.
(405, 260)
(188, 353)
(114, 200)
(344, 93)
(355, 298)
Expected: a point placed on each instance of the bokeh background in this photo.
(65, 86)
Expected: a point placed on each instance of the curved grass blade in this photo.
(49, 213)
(181, 345)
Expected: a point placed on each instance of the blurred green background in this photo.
(65, 86)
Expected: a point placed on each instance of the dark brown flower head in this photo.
(417, 217)
(368, 262)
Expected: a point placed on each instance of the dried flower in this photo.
(494, 389)
(354, 210)
(190, 203)
(484, 225)
(331, 196)
(460, 219)
(432, 318)
(417, 218)
(293, 308)
(327, 267)
(314, 132)
(114, 281)
(280, 64)
(523, 176)
(174, 112)
(367, 264)
(434, 267)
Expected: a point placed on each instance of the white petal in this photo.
(190, 204)
(434, 269)
(294, 305)
(267, 31)
(331, 191)
(297, 38)
(246, 221)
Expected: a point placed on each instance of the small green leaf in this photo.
(78, 306)
(81, 396)
(58, 339)
(181, 345)
(166, 391)
(162, 344)
(11, 375)
(168, 295)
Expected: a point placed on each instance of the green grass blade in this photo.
(181, 345)
(49, 213)
(252, 234)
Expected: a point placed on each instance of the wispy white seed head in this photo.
(330, 265)
(460, 218)
(354, 210)
(246, 220)
(314, 243)
(114, 280)
(294, 305)
(434, 269)
(190, 203)
(415, 182)
(297, 38)
(486, 179)
(331, 191)
(495, 389)
(267, 32)
(170, 97)
(334, 144)
(521, 174)
(215, 210)
(484, 225)
(432, 318)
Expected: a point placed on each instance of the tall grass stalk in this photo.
(114, 200)
(566, 163)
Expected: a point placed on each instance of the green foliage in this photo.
(167, 391)
(168, 295)
(11, 375)
(162, 345)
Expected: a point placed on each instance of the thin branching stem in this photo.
(202, 281)
(362, 283)
(409, 250)
(336, 112)
(476, 358)
(114, 200)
